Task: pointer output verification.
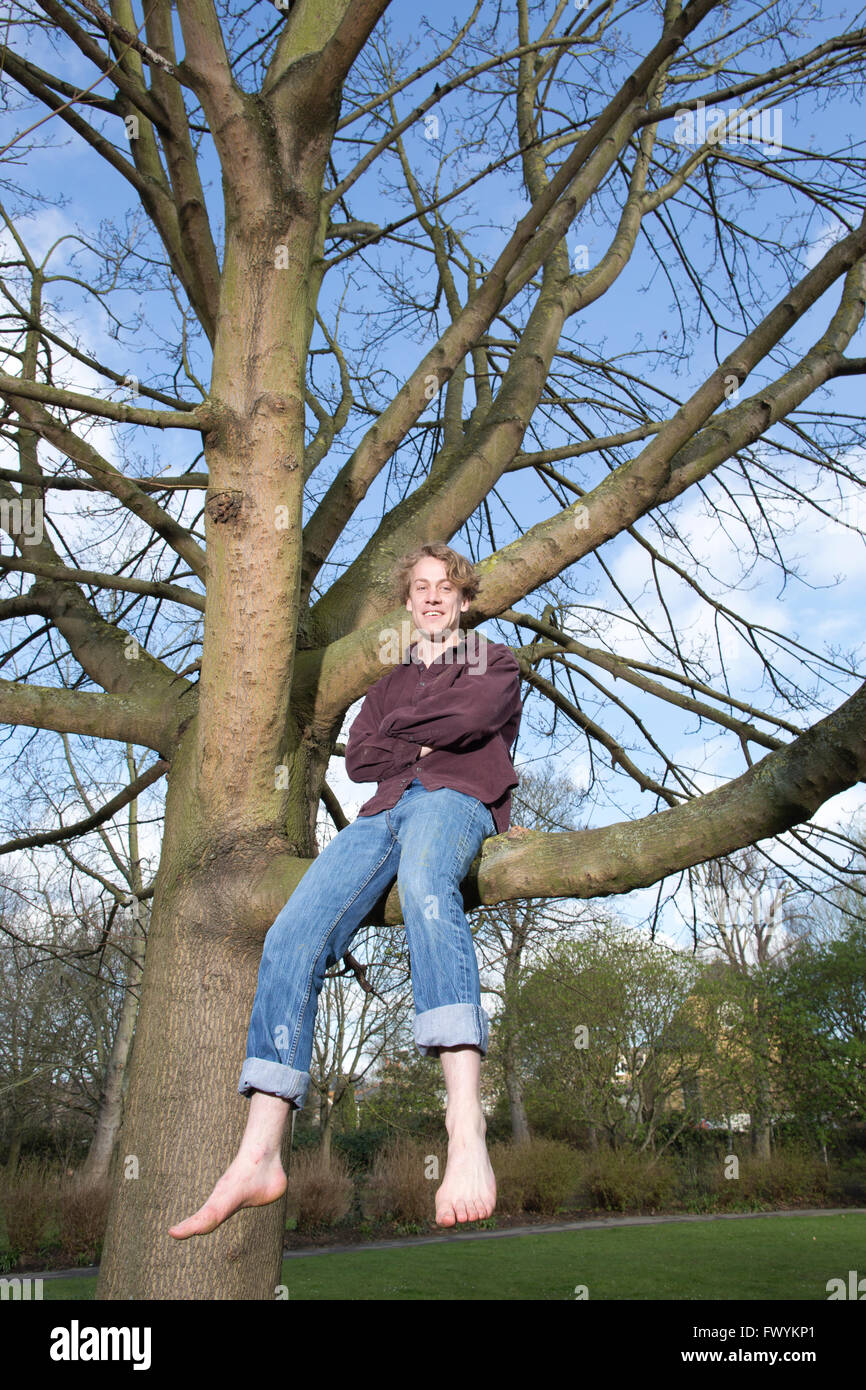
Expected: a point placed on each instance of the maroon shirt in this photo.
(465, 706)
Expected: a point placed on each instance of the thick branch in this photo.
(783, 790)
(683, 452)
(113, 30)
(332, 34)
(146, 721)
(188, 482)
(199, 248)
(136, 92)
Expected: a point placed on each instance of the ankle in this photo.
(465, 1122)
(259, 1153)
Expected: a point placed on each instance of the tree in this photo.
(748, 928)
(250, 573)
(820, 1002)
(508, 934)
(64, 987)
(407, 1096)
(613, 1041)
(351, 1035)
(102, 960)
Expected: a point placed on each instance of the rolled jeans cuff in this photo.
(275, 1079)
(452, 1025)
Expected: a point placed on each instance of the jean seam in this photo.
(462, 847)
(454, 896)
(322, 942)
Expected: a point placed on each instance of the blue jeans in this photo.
(428, 841)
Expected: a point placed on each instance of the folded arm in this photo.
(478, 704)
(370, 756)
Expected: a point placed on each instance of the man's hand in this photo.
(424, 750)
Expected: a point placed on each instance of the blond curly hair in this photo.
(458, 569)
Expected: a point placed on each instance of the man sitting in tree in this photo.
(455, 704)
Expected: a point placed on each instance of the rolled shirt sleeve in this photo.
(370, 755)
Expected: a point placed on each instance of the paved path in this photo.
(590, 1224)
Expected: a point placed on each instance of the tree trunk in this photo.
(14, 1150)
(509, 1032)
(247, 771)
(760, 1117)
(520, 1132)
(761, 1138)
(97, 1165)
(184, 1117)
(326, 1129)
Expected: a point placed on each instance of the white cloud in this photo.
(831, 232)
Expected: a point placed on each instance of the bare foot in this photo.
(249, 1182)
(468, 1191)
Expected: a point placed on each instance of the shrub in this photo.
(320, 1191)
(538, 1176)
(512, 1177)
(398, 1186)
(617, 1179)
(788, 1178)
(848, 1180)
(690, 1143)
(82, 1211)
(849, 1140)
(360, 1146)
(26, 1197)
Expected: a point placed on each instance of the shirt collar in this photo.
(445, 657)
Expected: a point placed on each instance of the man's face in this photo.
(434, 602)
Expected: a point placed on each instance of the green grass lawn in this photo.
(777, 1258)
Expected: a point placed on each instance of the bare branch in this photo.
(113, 30)
(173, 592)
(16, 387)
(117, 803)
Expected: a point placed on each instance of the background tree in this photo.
(820, 1004)
(99, 952)
(508, 935)
(749, 925)
(64, 982)
(407, 1096)
(352, 1032)
(614, 1046)
(298, 209)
